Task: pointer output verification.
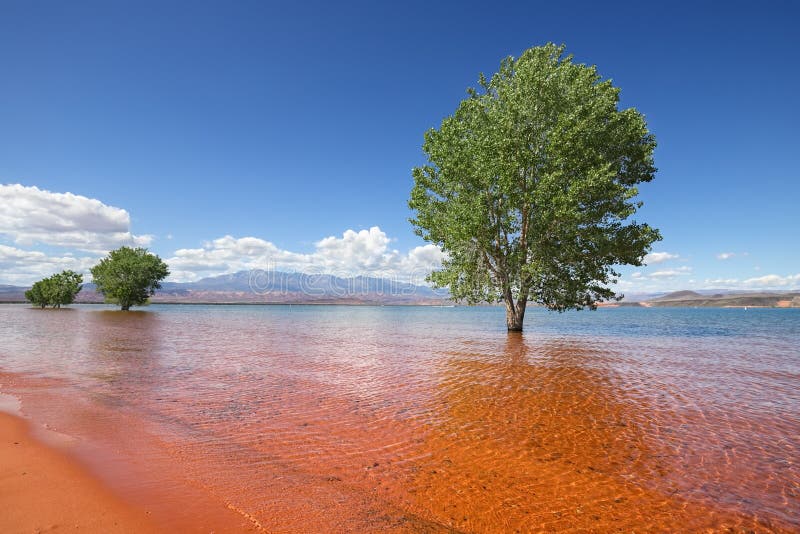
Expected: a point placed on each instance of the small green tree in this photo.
(37, 294)
(57, 290)
(530, 184)
(129, 276)
(65, 287)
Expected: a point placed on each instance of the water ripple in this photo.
(415, 419)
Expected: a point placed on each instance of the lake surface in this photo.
(337, 418)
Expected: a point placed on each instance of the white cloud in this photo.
(29, 215)
(364, 252)
(659, 257)
(725, 255)
(366, 249)
(770, 281)
(23, 267)
(670, 273)
(723, 283)
(773, 281)
(684, 277)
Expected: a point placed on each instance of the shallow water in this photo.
(335, 418)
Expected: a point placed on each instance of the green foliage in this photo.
(530, 184)
(129, 276)
(56, 291)
(37, 295)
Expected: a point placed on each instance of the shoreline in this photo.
(44, 489)
(639, 305)
(52, 480)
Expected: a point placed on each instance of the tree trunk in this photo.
(125, 307)
(515, 314)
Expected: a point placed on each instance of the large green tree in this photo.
(129, 276)
(57, 290)
(531, 184)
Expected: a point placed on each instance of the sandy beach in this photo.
(43, 490)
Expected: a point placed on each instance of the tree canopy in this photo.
(530, 185)
(129, 276)
(56, 291)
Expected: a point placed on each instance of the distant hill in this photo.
(638, 297)
(691, 299)
(12, 293)
(678, 295)
(712, 298)
(274, 287)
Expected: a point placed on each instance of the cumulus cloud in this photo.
(29, 216)
(770, 281)
(773, 281)
(364, 252)
(670, 273)
(659, 257)
(23, 267)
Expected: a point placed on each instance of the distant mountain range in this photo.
(716, 298)
(276, 287)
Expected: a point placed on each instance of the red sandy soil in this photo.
(42, 490)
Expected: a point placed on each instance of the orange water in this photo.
(296, 419)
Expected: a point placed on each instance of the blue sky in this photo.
(283, 125)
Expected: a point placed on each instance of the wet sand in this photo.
(560, 484)
(42, 490)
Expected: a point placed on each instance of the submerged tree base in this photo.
(515, 315)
